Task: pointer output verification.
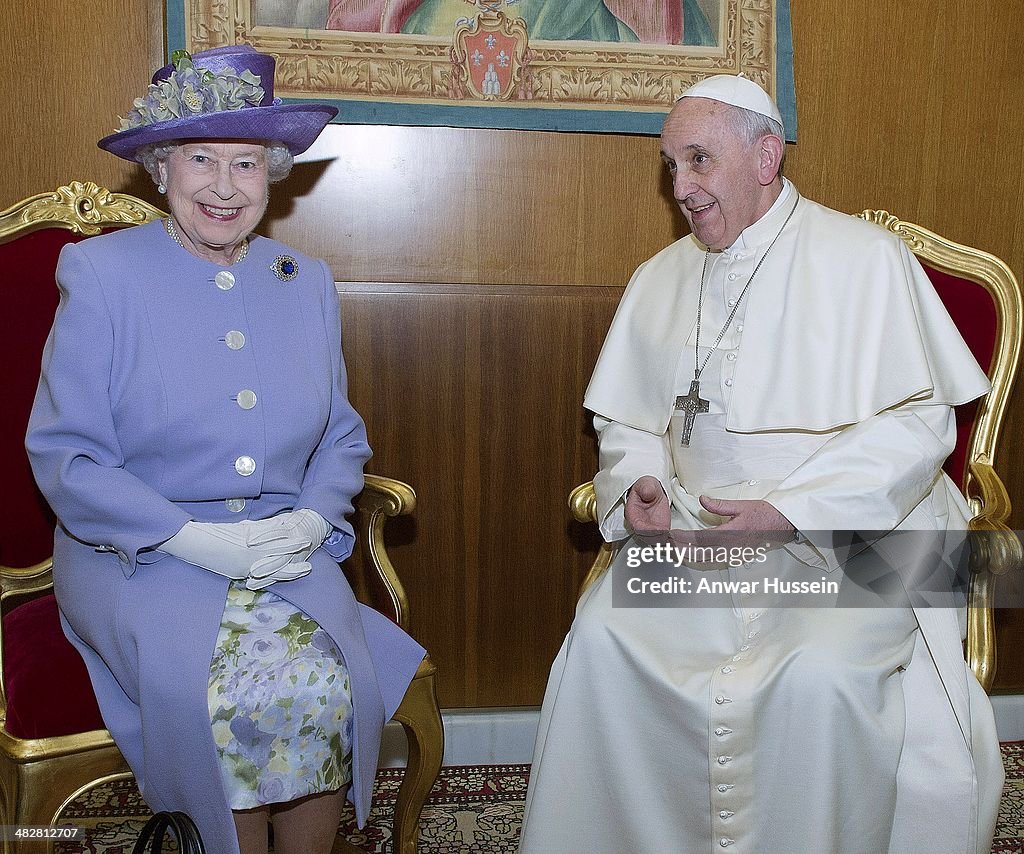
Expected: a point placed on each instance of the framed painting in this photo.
(580, 65)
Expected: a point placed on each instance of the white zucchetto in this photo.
(736, 90)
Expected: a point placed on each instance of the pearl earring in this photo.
(161, 189)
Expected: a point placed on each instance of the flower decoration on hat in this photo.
(190, 91)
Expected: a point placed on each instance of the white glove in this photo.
(223, 547)
(303, 526)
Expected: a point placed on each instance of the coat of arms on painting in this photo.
(490, 56)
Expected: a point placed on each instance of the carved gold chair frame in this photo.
(39, 777)
(1000, 551)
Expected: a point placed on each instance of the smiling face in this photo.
(217, 192)
(721, 181)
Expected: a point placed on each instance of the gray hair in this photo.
(752, 126)
(279, 158)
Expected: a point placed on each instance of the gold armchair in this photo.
(40, 775)
(985, 301)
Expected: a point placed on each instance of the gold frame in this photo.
(40, 776)
(1000, 551)
(414, 70)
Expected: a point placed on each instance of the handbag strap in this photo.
(151, 839)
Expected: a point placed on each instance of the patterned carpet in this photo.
(473, 809)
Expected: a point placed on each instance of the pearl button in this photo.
(731, 357)
(235, 505)
(225, 280)
(235, 340)
(728, 382)
(245, 466)
(246, 398)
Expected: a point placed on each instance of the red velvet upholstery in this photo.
(974, 312)
(48, 688)
(30, 299)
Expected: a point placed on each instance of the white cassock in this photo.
(774, 730)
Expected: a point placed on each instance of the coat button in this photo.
(245, 466)
(246, 398)
(235, 505)
(235, 340)
(225, 280)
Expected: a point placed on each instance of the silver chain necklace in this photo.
(173, 234)
(692, 404)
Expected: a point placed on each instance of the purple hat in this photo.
(224, 93)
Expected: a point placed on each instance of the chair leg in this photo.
(420, 717)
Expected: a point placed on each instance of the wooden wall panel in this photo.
(470, 373)
(449, 381)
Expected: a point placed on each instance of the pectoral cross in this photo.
(691, 404)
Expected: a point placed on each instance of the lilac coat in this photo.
(136, 430)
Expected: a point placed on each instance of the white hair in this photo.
(752, 126)
(279, 158)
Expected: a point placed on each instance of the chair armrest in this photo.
(995, 551)
(20, 583)
(381, 498)
(583, 502)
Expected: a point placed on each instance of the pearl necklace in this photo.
(173, 234)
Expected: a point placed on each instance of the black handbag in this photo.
(151, 839)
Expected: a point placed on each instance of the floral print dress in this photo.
(280, 702)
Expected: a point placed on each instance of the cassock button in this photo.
(235, 340)
(245, 466)
(739, 328)
(235, 505)
(721, 701)
(724, 787)
(246, 398)
(731, 357)
(727, 670)
(751, 483)
(225, 280)
(728, 382)
(725, 841)
(725, 814)
(732, 277)
(722, 730)
(724, 760)
(731, 303)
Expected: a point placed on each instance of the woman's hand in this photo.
(305, 526)
(224, 547)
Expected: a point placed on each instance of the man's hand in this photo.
(647, 507)
(750, 523)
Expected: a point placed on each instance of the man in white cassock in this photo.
(784, 372)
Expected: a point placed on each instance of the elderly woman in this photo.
(192, 433)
